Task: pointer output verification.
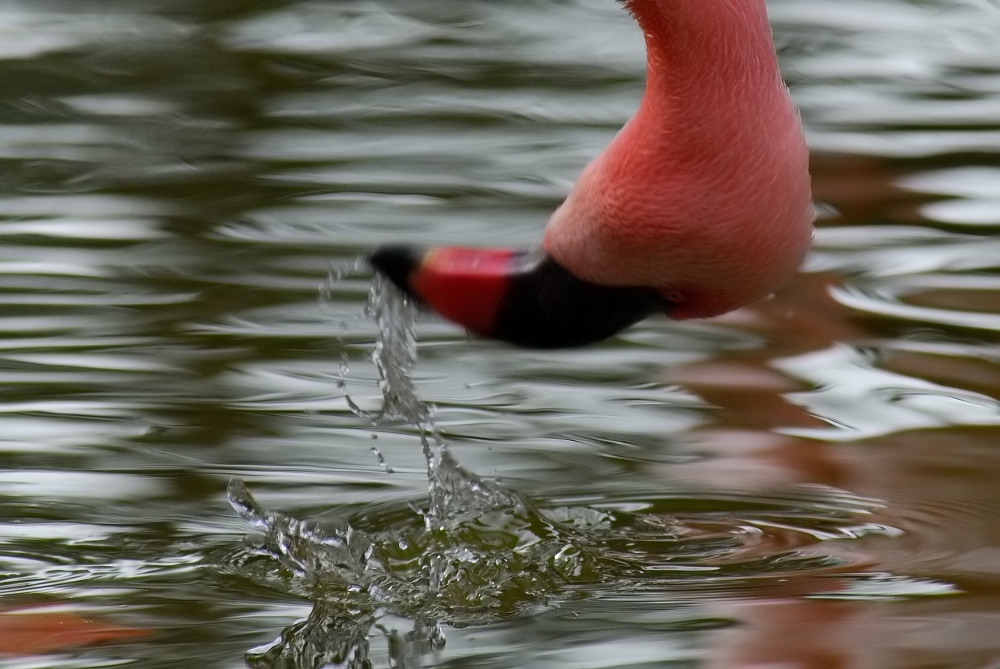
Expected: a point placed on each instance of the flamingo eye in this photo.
(673, 296)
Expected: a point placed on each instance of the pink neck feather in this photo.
(705, 192)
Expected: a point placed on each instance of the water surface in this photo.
(809, 482)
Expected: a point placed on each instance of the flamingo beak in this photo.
(522, 297)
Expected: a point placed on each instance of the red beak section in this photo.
(522, 297)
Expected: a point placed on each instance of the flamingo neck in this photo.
(711, 66)
(705, 191)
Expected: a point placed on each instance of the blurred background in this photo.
(184, 190)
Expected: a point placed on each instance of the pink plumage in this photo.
(705, 193)
(699, 205)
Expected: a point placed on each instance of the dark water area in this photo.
(185, 188)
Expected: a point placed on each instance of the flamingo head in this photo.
(699, 205)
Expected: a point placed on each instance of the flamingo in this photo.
(699, 205)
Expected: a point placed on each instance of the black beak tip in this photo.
(396, 262)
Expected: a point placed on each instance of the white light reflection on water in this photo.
(800, 480)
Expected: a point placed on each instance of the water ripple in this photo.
(900, 299)
(177, 177)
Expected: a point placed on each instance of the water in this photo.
(809, 482)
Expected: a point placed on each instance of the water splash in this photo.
(306, 547)
(453, 492)
(476, 540)
(487, 554)
(473, 552)
(394, 355)
(395, 352)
